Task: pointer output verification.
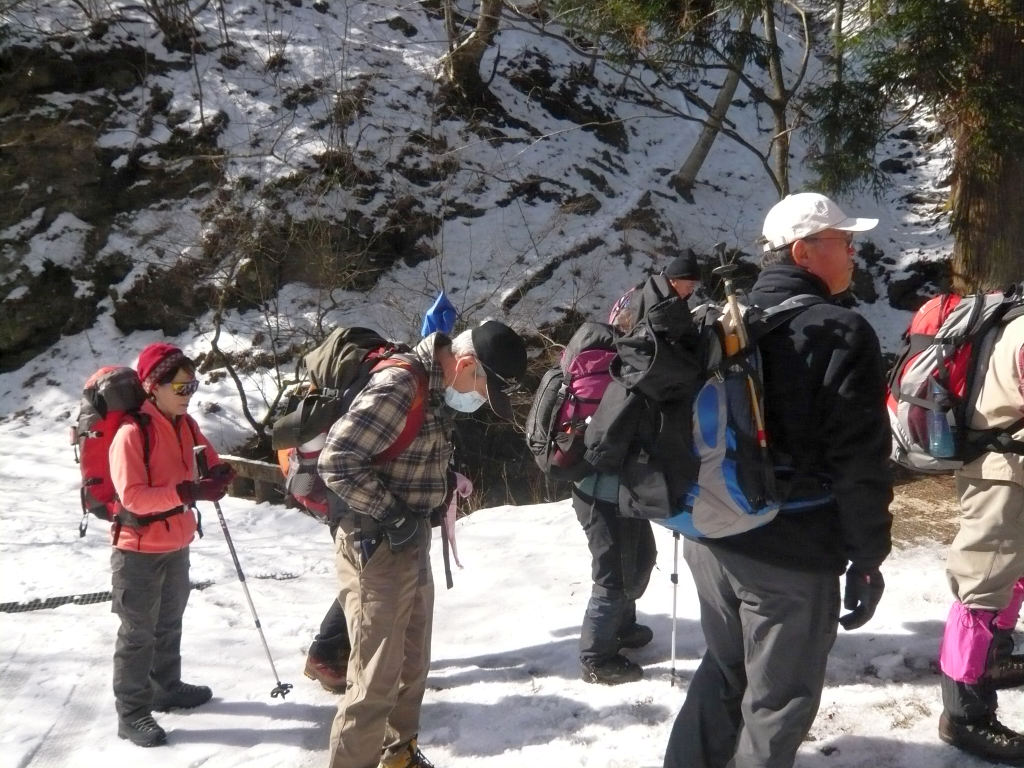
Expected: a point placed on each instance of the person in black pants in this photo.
(327, 659)
(623, 553)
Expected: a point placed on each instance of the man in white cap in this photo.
(770, 597)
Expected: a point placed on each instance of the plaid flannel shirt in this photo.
(418, 477)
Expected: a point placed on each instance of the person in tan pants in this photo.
(382, 546)
(985, 569)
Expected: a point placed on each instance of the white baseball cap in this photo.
(805, 214)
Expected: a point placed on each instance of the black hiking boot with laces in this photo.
(615, 671)
(985, 738)
(181, 696)
(1005, 669)
(637, 636)
(142, 730)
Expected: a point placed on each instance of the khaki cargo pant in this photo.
(987, 555)
(389, 604)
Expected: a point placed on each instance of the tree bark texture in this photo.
(462, 65)
(988, 186)
(779, 100)
(683, 181)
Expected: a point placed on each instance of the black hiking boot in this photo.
(637, 636)
(618, 669)
(142, 730)
(182, 696)
(988, 739)
(1005, 669)
(1007, 672)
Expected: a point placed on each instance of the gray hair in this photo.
(783, 255)
(462, 345)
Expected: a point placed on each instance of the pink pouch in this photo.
(965, 643)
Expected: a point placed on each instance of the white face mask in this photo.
(466, 402)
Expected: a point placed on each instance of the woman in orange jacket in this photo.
(153, 469)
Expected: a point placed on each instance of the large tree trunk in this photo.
(683, 181)
(779, 101)
(987, 198)
(462, 65)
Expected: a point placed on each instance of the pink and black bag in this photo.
(566, 398)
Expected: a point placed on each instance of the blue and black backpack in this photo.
(735, 488)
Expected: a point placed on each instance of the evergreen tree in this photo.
(963, 61)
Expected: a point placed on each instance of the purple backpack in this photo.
(566, 398)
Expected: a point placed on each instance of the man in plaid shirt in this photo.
(383, 541)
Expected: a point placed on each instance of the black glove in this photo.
(205, 490)
(401, 529)
(864, 588)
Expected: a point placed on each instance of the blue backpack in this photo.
(735, 489)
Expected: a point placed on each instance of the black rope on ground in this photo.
(89, 598)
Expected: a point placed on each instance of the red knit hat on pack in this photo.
(156, 361)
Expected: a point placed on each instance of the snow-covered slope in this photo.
(328, 118)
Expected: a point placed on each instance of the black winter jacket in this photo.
(824, 381)
(641, 429)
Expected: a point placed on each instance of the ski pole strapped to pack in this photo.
(735, 489)
(937, 378)
(568, 395)
(339, 369)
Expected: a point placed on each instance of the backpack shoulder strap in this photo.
(417, 410)
(774, 317)
(142, 421)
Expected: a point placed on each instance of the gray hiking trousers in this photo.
(756, 692)
(149, 596)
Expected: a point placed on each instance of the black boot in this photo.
(1005, 669)
(618, 669)
(635, 636)
(142, 730)
(181, 696)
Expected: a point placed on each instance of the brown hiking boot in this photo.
(987, 738)
(330, 674)
(409, 756)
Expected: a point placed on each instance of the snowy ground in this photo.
(504, 681)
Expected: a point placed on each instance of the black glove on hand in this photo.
(864, 590)
(401, 529)
(205, 490)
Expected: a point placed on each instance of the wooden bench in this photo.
(258, 480)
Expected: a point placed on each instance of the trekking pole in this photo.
(675, 593)
(281, 689)
(725, 272)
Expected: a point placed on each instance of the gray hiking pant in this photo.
(149, 596)
(756, 692)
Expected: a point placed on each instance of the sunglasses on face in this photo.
(185, 388)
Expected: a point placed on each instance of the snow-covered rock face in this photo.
(313, 141)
